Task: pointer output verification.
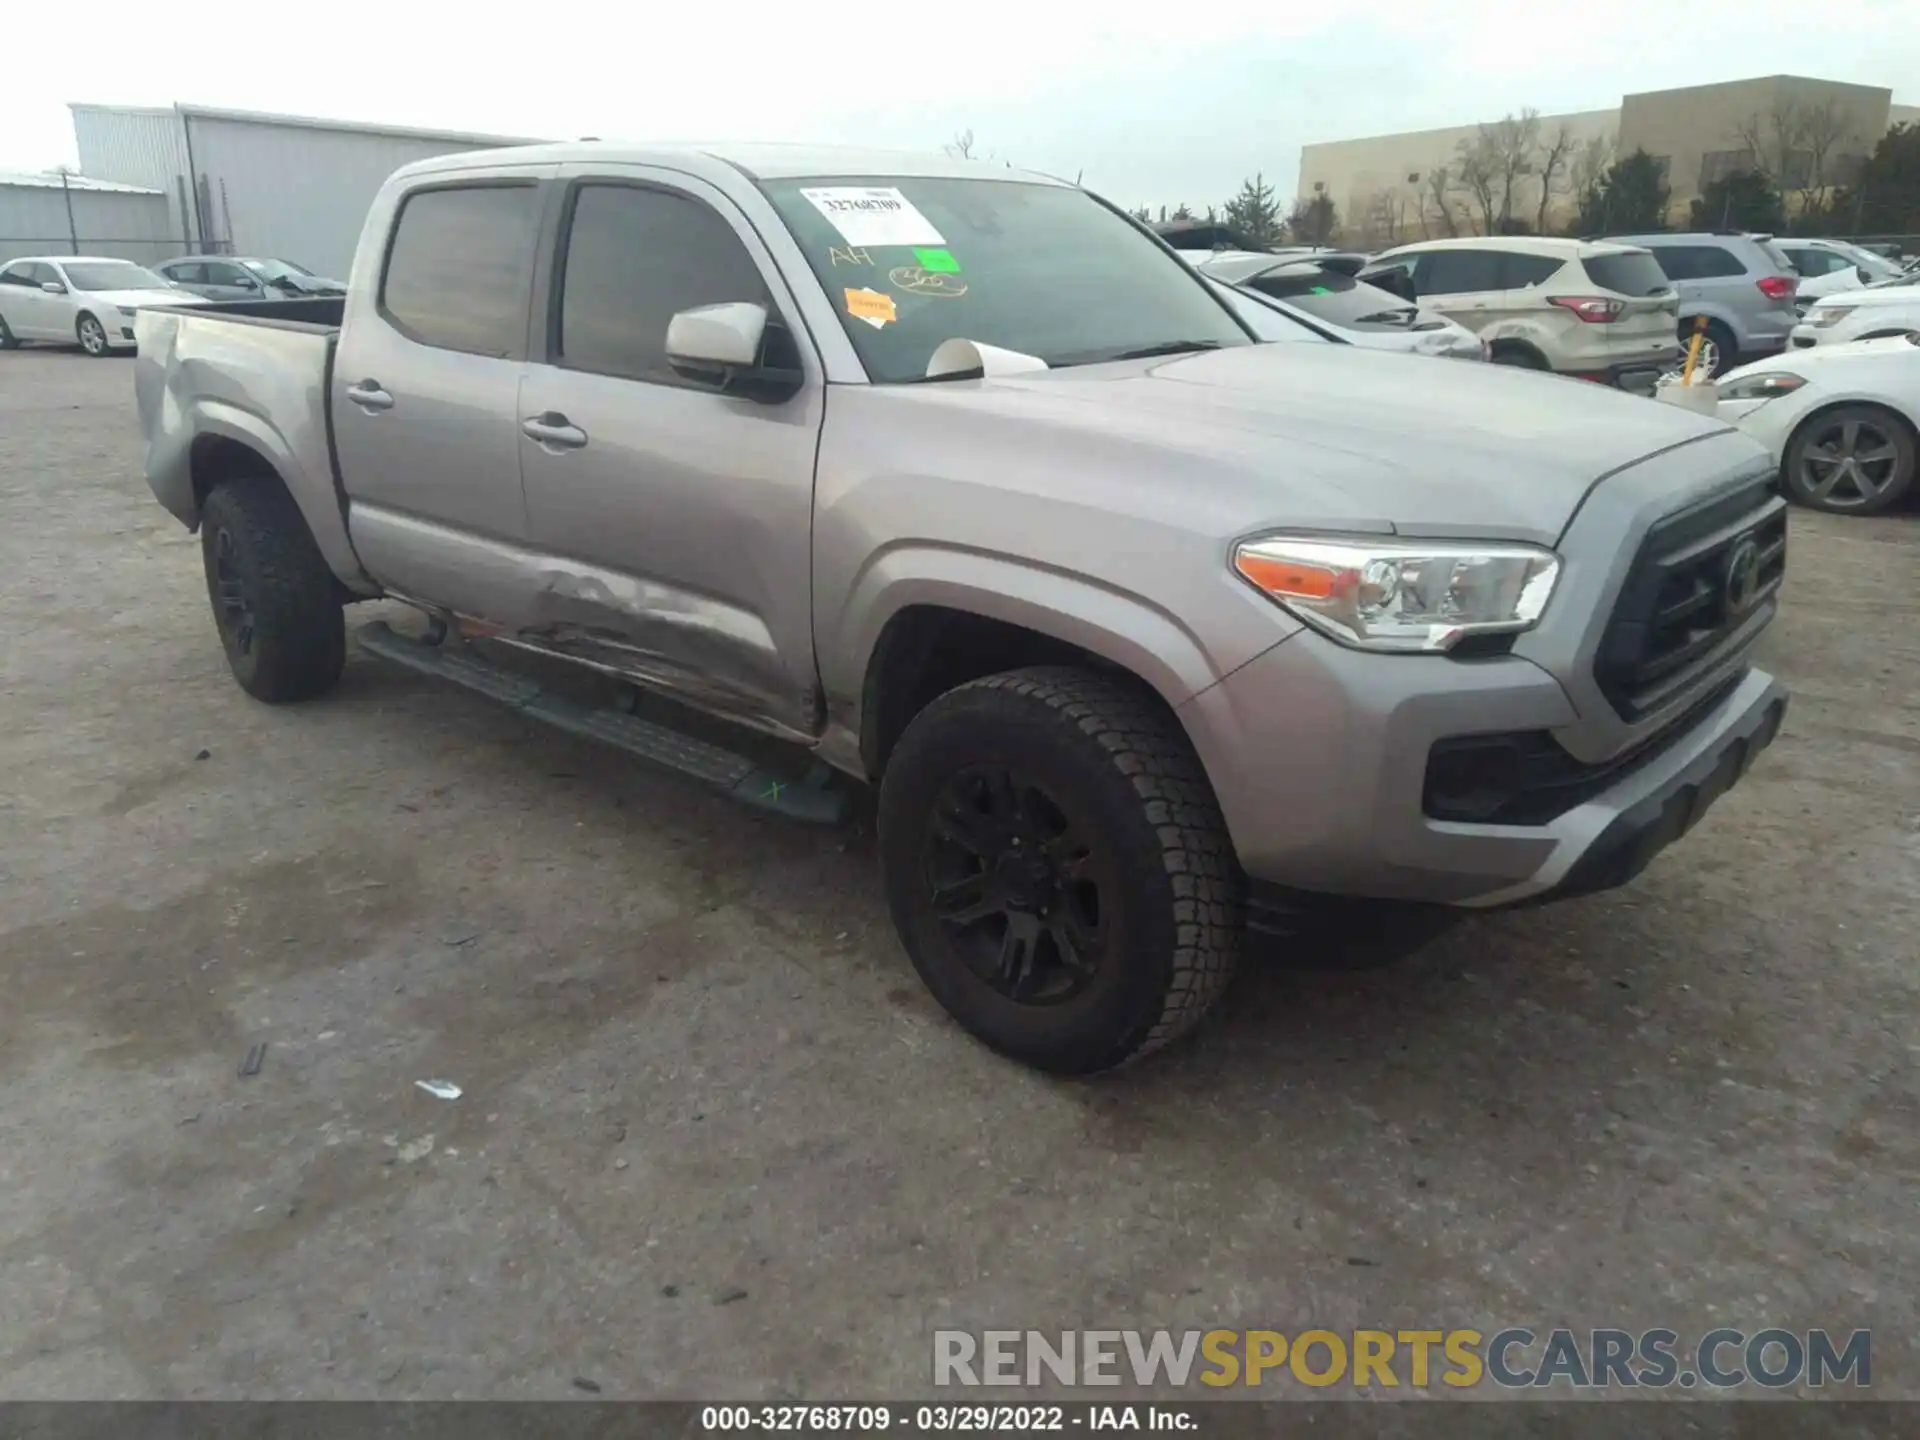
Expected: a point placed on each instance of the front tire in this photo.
(1851, 460)
(92, 336)
(274, 600)
(1058, 869)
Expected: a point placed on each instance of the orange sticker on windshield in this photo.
(871, 306)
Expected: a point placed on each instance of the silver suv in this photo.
(1742, 283)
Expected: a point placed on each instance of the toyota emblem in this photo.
(1743, 576)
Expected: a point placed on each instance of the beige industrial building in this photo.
(1391, 188)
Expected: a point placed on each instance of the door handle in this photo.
(553, 431)
(369, 396)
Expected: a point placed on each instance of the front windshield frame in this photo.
(85, 275)
(1213, 321)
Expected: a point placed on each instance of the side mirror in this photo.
(724, 346)
(53, 287)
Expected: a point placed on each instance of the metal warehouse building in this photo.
(251, 184)
(66, 215)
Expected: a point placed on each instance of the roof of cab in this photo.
(762, 161)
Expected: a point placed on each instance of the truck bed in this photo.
(247, 375)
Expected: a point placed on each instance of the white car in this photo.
(1842, 421)
(1886, 307)
(1359, 313)
(1823, 270)
(82, 300)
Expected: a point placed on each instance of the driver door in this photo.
(33, 314)
(679, 519)
(228, 281)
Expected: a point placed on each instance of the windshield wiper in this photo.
(1166, 347)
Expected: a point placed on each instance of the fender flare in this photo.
(1120, 627)
(314, 495)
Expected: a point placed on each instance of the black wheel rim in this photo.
(1848, 462)
(236, 616)
(1019, 889)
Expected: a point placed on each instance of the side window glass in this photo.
(633, 258)
(1460, 272)
(189, 274)
(1524, 271)
(459, 272)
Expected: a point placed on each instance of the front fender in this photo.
(1119, 627)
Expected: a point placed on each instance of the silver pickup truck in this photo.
(1148, 634)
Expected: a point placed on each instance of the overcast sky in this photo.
(1154, 103)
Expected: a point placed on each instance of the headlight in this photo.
(1401, 595)
(1824, 315)
(1761, 387)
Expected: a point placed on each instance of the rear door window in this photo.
(1635, 274)
(1522, 272)
(192, 273)
(459, 271)
(1458, 272)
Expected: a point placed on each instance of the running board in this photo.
(810, 799)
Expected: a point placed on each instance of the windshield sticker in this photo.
(917, 281)
(852, 255)
(941, 262)
(871, 306)
(872, 215)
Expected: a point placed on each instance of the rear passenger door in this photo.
(426, 391)
(1464, 285)
(679, 518)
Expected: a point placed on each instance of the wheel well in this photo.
(927, 650)
(217, 460)
(1519, 347)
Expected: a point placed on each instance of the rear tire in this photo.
(92, 336)
(1518, 357)
(1719, 352)
(274, 600)
(1850, 460)
(1058, 869)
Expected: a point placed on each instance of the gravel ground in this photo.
(716, 1142)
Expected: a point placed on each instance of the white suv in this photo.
(1886, 307)
(1583, 308)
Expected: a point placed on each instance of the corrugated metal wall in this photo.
(297, 192)
(33, 221)
(136, 147)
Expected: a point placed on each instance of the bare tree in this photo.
(1479, 172)
(1589, 172)
(1777, 141)
(1824, 128)
(1383, 216)
(1556, 153)
(961, 146)
(1436, 202)
(1509, 144)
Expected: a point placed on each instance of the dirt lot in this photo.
(715, 1141)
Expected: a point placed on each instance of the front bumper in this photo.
(1350, 819)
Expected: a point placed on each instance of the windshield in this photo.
(1338, 299)
(274, 269)
(111, 275)
(1046, 270)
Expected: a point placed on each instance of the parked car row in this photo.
(90, 300)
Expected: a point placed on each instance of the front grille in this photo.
(1703, 583)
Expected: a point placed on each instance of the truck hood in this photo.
(1338, 437)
